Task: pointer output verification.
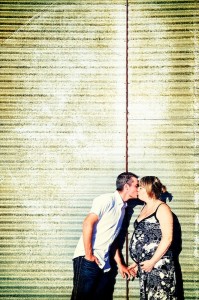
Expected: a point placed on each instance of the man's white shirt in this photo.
(110, 209)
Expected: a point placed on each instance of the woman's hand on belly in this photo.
(147, 265)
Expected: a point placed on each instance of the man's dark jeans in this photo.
(90, 282)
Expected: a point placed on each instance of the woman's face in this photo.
(142, 194)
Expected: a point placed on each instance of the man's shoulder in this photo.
(108, 197)
(104, 202)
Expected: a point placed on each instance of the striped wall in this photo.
(62, 136)
(163, 118)
(62, 140)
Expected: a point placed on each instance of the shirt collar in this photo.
(119, 200)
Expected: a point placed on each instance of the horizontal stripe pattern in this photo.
(63, 128)
(62, 142)
(163, 113)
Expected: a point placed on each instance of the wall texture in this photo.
(163, 113)
(63, 139)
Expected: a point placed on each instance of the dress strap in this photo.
(158, 207)
(143, 207)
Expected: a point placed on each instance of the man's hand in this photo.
(124, 271)
(88, 225)
(92, 258)
(133, 269)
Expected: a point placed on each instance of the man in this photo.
(93, 277)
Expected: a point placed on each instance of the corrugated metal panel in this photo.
(163, 118)
(63, 127)
(62, 134)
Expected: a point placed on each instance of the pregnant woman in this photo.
(150, 244)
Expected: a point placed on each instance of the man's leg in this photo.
(105, 287)
(86, 276)
(76, 274)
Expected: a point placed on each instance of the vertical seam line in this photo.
(127, 103)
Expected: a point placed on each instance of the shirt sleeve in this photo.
(100, 206)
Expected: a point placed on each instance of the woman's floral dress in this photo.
(159, 284)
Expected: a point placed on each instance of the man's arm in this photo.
(124, 271)
(88, 225)
(117, 246)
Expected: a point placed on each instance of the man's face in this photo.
(133, 187)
